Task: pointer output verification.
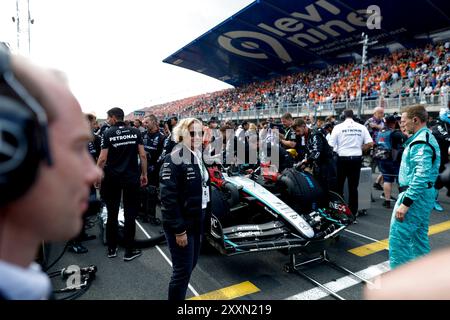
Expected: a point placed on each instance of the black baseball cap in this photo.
(391, 119)
(213, 119)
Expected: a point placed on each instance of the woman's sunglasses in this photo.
(193, 134)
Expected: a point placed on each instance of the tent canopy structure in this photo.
(275, 37)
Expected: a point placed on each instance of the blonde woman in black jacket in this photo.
(185, 198)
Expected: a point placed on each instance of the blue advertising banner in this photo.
(274, 37)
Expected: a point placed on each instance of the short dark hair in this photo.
(152, 118)
(287, 116)
(90, 117)
(348, 113)
(213, 119)
(391, 119)
(418, 111)
(298, 123)
(229, 123)
(116, 112)
(169, 122)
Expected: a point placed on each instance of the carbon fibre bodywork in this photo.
(261, 220)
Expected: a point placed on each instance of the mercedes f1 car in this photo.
(287, 212)
(269, 211)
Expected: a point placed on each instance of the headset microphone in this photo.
(23, 135)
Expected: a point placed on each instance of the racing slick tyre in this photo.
(301, 191)
(231, 194)
(220, 206)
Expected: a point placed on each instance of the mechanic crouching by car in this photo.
(185, 198)
(153, 141)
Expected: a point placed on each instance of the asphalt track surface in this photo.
(256, 276)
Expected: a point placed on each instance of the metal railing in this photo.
(391, 105)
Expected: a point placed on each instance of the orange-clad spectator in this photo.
(336, 83)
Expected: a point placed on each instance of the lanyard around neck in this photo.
(201, 166)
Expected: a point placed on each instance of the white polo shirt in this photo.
(347, 138)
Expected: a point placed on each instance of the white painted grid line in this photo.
(342, 283)
(166, 257)
(362, 236)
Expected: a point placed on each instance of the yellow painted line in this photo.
(438, 228)
(370, 248)
(229, 293)
(381, 245)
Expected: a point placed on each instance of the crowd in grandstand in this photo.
(420, 70)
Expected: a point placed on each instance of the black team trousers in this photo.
(112, 192)
(349, 168)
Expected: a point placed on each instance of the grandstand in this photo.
(276, 69)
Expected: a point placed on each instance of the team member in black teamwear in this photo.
(302, 133)
(169, 144)
(288, 138)
(441, 131)
(320, 156)
(95, 145)
(104, 127)
(153, 141)
(119, 157)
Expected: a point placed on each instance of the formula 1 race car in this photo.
(287, 212)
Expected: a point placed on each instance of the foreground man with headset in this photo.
(46, 171)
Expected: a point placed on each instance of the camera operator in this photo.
(45, 171)
(119, 157)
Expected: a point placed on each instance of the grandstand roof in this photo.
(274, 37)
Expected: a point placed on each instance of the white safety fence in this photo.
(433, 103)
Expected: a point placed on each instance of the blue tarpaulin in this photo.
(275, 37)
